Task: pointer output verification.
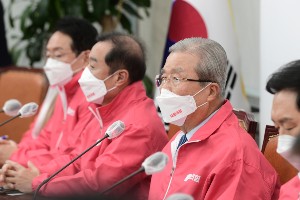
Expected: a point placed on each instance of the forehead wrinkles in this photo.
(179, 61)
(173, 70)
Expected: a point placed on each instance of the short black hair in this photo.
(82, 32)
(127, 53)
(286, 78)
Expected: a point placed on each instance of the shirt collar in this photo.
(192, 132)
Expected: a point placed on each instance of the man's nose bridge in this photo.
(280, 131)
(167, 84)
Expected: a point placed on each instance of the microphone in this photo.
(153, 164)
(27, 110)
(180, 196)
(112, 131)
(11, 107)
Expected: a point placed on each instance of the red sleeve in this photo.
(232, 182)
(29, 146)
(109, 163)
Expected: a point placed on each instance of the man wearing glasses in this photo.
(212, 156)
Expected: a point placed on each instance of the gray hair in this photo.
(212, 59)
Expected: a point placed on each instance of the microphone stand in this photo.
(73, 160)
(124, 179)
(5, 122)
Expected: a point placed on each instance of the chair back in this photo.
(270, 132)
(25, 85)
(284, 169)
(246, 121)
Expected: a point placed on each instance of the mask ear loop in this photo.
(107, 79)
(109, 76)
(76, 70)
(202, 89)
(202, 104)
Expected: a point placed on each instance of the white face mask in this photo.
(284, 148)
(94, 89)
(176, 108)
(58, 73)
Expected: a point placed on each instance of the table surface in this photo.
(30, 197)
(17, 197)
(24, 197)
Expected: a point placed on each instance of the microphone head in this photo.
(28, 110)
(155, 163)
(115, 129)
(180, 196)
(12, 107)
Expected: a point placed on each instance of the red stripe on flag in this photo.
(185, 22)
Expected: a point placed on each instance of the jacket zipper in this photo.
(174, 166)
(171, 174)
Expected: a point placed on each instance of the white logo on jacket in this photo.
(71, 111)
(193, 177)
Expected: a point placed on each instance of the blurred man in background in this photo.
(285, 85)
(67, 53)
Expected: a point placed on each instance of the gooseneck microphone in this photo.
(113, 131)
(27, 110)
(11, 107)
(153, 164)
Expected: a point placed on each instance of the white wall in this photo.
(280, 43)
(10, 32)
(153, 31)
(246, 15)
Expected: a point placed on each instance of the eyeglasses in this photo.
(160, 80)
(57, 55)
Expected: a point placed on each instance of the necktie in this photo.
(182, 140)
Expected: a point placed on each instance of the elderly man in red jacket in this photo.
(212, 156)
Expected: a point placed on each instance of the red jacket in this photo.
(113, 159)
(291, 189)
(220, 161)
(47, 145)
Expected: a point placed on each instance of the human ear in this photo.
(122, 77)
(214, 92)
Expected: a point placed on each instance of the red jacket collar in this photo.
(73, 85)
(132, 93)
(215, 122)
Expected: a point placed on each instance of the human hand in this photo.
(3, 171)
(81, 61)
(19, 177)
(7, 148)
